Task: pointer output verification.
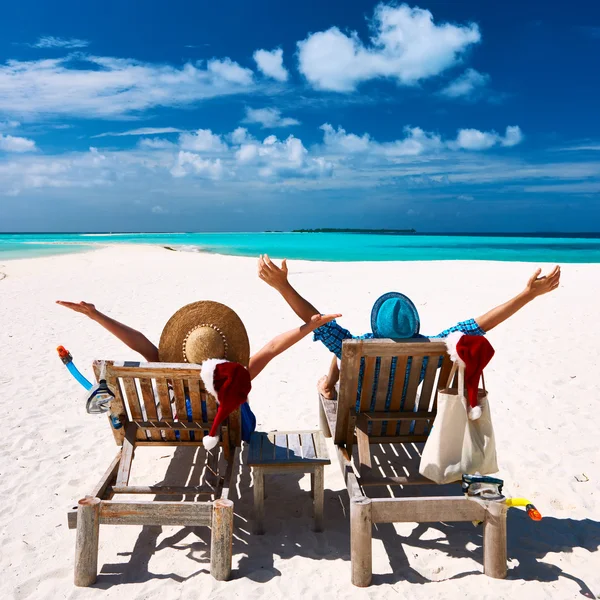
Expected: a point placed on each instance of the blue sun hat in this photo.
(395, 316)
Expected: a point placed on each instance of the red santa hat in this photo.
(229, 383)
(473, 352)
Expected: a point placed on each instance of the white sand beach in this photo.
(544, 393)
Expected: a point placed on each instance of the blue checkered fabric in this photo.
(333, 334)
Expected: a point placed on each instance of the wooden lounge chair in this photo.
(143, 405)
(388, 447)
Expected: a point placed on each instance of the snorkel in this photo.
(67, 359)
(100, 395)
(490, 488)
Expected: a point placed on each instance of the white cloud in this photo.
(188, 162)
(345, 142)
(470, 81)
(159, 210)
(406, 45)
(104, 87)
(75, 170)
(10, 143)
(203, 140)
(275, 158)
(416, 142)
(237, 162)
(583, 148)
(239, 135)
(156, 144)
(271, 64)
(229, 70)
(9, 125)
(49, 41)
(473, 139)
(268, 118)
(513, 136)
(139, 131)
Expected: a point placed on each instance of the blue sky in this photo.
(237, 115)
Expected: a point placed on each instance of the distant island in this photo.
(367, 231)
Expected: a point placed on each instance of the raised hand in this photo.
(85, 308)
(536, 286)
(317, 321)
(270, 273)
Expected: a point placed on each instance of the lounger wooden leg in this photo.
(361, 531)
(494, 540)
(318, 489)
(86, 544)
(259, 500)
(323, 424)
(221, 539)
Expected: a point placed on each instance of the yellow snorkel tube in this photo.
(533, 513)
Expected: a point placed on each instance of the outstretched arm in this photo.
(277, 278)
(130, 337)
(284, 341)
(536, 286)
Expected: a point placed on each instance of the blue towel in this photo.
(248, 422)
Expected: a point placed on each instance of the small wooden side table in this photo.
(286, 452)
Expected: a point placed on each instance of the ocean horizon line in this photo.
(538, 234)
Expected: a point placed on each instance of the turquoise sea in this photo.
(325, 246)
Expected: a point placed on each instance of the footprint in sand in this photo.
(2, 276)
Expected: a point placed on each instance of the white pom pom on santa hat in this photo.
(229, 383)
(475, 413)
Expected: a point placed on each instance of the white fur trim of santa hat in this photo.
(207, 374)
(451, 342)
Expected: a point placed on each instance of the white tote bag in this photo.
(457, 444)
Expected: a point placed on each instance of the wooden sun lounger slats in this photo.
(426, 396)
(133, 401)
(397, 392)
(366, 394)
(381, 347)
(385, 365)
(164, 400)
(193, 387)
(186, 514)
(411, 392)
(348, 390)
(153, 370)
(174, 425)
(283, 447)
(308, 446)
(399, 415)
(294, 446)
(159, 490)
(150, 403)
(179, 393)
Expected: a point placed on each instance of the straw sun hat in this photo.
(204, 330)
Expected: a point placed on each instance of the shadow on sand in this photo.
(289, 534)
